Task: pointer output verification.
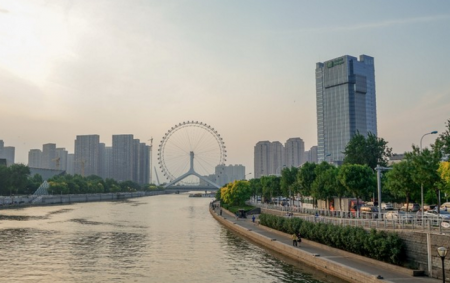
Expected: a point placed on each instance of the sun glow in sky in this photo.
(246, 68)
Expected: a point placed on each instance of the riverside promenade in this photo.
(350, 267)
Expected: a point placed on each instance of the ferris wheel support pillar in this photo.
(192, 172)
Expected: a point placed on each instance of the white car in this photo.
(434, 215)
(387, 206)
(398, 215)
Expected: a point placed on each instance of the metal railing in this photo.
(361, 219)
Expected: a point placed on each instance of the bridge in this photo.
(190, 188)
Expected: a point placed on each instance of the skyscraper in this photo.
(48, 156)
(122, 156)
(276, 158)
(346, 103)
(262, 159)
(7, 152)
(34, 158)
(87, 155)
(294, 150)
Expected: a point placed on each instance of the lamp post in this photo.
(442, 253)
(421, 185)
(379, 169)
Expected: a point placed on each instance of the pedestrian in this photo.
(299, 238)
(220, 211)
(294, 240)
(253, 218)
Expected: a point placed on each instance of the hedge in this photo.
(379, 245)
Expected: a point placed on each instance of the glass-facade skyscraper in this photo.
(346, 103)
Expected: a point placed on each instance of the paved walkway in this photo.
(387, 275)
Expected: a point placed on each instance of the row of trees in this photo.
(16, 180)
(76, 184)
(356, 177)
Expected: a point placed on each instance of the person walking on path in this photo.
(299, 238)
(294, 240)
(253, 218)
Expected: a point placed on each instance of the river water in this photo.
(167, 238)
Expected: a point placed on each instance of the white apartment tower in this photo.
(294, 152)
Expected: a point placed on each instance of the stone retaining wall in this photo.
(416, 248)
(345, 272)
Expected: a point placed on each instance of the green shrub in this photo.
(379, 245)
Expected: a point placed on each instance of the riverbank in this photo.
(33, 200)
(332, 261)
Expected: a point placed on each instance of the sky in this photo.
(247, 68)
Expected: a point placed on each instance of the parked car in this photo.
(387, 206)
(429, 207)
(445, 205)
(434, 215)
(413, 207)
(398, 215)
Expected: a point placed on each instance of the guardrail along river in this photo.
(167, 238)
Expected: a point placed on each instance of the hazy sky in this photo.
(247, 68)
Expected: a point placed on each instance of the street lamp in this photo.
(379, 169)
(442, 253)
(421, 185)
(246, 175)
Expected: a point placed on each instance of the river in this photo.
(166, 238)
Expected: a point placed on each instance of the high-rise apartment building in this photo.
(34, 158)
(87, 155)
(61, 159)
(294, 150)
(108, 162)
(311, 155)
(123, 157)
(346, 103)
(225, 174)
(276, 158)
(8, 153)
(262, 159)
(268, 158)
(70, 164)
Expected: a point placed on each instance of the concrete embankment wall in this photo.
(418, 244)
(6, 202)
(345, 272)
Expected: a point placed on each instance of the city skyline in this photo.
(66, 70)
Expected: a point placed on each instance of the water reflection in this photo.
(153, 239)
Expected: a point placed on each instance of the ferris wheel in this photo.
(190, 151)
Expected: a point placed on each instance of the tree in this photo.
(400, 182)
(426, 164)
(321, 187)
(255, 186)
(236, 193)
(358, 179)
(270, 187)
(4, 180)
(289, 181)
(18, 177)
(444, 172)
(306, 176)
(370, 151)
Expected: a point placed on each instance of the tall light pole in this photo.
(421, 185)
(442, 252)
(379, 169)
